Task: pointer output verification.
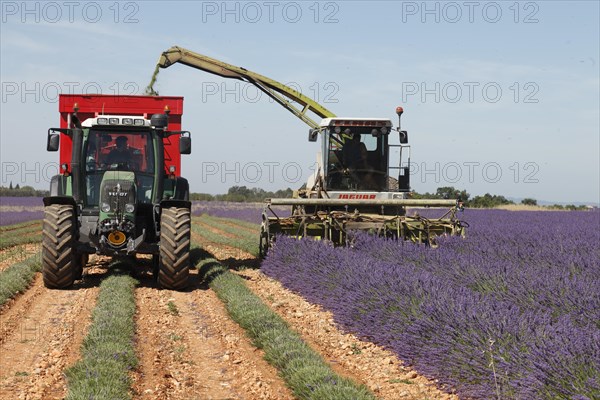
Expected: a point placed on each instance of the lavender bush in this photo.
(14, 210)
(511, 312)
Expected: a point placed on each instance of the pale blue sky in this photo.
(444, 62)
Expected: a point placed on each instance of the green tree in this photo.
(488, 201)
(449, 192)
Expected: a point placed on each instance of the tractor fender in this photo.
(63, 200)
(58, 185)
(175, 203)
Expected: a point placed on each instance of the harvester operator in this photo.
(353, 152)
(356, 162)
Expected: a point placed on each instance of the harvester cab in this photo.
(355, 157)
(355, 186)
(119, 192)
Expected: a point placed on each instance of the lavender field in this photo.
(250, 212)
(510, 312)
(14, 210)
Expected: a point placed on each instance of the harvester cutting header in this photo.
(355, 186)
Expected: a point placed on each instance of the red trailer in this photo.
(95, 105)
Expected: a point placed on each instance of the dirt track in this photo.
(41, 334)
(190, 349)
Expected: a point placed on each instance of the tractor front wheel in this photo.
(59, 265)
(174, 265)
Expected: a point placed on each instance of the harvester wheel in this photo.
(59, 265)
(174, 268)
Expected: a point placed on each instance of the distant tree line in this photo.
(485, 201)
(449, 192)
(243, 194)
(25, 191)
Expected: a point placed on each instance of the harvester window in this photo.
(370, 142)
(353, 152)
(356, 160)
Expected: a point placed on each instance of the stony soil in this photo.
(17, 254)
(41, 332)
(189, 348)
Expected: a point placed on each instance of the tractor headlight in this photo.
(129, 208)
(105, 207)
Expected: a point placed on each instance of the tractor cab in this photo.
(120, 148)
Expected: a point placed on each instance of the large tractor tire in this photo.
(174, 266)
(59, 264)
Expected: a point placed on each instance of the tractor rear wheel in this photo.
(174, 268)
(59, 265)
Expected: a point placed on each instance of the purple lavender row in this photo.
(14, 210)
(21, 201)
(513, 311)
(16, 217)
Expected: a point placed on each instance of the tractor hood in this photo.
(117, 204)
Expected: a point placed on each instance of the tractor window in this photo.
(125, 150)
(122, 150)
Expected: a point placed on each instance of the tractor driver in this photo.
(121, 153)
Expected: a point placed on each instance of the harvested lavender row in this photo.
(510, 312)
(250, 212)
